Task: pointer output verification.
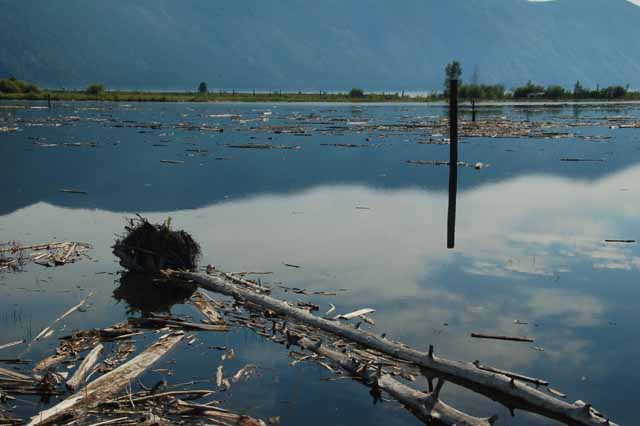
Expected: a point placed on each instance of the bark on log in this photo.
(426, 407)
(537, 382)
(110, 383)
(498, 387)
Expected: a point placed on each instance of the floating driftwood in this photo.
(426, 407)
(73, 191)
(14, 256)
(502, 388)
(516, 376)
(47, 330)
(476, 166)
(589, 160)
(355, 314)
(509, 338)
(263, 146)
(87, 364)
(206, 307)
(110, 383)
(162, 322)
(12, 344)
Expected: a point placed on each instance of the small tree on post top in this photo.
(453, 71)
(202, 88)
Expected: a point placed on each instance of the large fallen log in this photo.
(499, 387)
(110, 383)
(425, 406)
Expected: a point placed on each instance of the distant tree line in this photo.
(12, 88)
(555, 92)
(530, 90)
(13, 85)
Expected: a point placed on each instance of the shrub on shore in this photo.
(95, 89)
(13, 85)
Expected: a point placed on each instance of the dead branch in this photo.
(426, 407)
(499, 387)
(110, 383)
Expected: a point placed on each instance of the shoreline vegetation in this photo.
(13, 89)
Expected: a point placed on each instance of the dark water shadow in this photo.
(146, 294)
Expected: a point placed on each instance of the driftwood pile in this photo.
(97, 371)
(111, 398)
(378, 360)
(151, 248)
(14, 256)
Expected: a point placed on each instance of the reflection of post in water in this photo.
(453, 162)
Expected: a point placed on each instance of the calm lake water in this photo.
(530, 240)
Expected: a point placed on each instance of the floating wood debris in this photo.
(14, 256)
(172, 161)
(476, 166)
(355, 314)
(207, 307)
(620, 241)
(12, 344)
(87, 364)
(285, 323)
(589, 160)
(425, 407)
(110, 383)
(73, 191)
(500, 387)
(350, 145)
(556, 393)
(263, 146)
(497, 337)
(521, 377)
(46, 331)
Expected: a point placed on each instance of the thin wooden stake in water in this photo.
(453, 162)
(473, 110)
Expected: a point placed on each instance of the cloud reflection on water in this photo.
(518, 241)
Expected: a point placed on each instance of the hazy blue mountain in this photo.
(322, 44)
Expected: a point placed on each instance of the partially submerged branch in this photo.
(426, 407)
(499, 387)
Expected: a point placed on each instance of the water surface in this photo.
(530, 245)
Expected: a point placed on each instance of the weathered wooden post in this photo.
(473, 110)
(49, 100)
(453, 162)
